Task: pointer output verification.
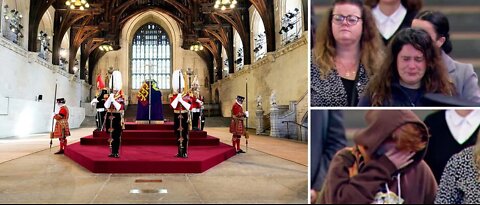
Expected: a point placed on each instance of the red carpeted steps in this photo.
(142, 139)
(149, 149)
(149, 159)
(154, 134)
(134, 126)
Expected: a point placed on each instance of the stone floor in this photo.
(272, 171)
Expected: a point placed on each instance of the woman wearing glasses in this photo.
(347, 51)
(393, 15)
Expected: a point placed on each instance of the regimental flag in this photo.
(100, 83)
(143, 102)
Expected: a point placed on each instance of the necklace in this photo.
(344, 71)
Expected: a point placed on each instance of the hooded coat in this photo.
(416, 181)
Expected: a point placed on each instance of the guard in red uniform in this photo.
(196, 110)
(181, 105)
(99, 103)
(202, 113)
(236, 125)
(62, 130)
(115, 105)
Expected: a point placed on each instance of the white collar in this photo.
(473, 118)
(396, 17)
(238, 103)
(462, 127)
(388, 25)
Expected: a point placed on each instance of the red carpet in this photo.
(150, 150)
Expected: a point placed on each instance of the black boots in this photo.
(114, 155)
(59, 152)
(183, 155)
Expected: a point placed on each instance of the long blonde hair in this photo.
(371, 46)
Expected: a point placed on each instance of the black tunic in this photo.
(442, 145)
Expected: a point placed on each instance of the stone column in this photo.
(259, 117)
(274, 122)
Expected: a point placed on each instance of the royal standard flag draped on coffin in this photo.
(143, 102)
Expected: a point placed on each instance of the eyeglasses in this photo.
(351, 19)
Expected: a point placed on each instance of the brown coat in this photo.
(417, 182)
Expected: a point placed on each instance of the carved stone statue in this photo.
(273, 98)
(259, 101)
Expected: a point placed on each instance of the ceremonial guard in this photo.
(99, 103)
(115, 105)
(202, 113)
(181, 104)
(62, 130)
(236, 124)
(197, 104)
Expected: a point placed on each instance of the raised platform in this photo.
(149, 149)
(148, 159)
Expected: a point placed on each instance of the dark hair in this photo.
(435, 79)
(441, 26)
(410, 5)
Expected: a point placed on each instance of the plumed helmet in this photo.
(116, 80)
(178, 82)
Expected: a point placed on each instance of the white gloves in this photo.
(180, 99)
(246, 114)
(185, 104)
(175, 102)
(117, 105)
(200, 102)
(94, 102)
(110, 100)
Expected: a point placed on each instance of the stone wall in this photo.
(285, 71)
(24, 78)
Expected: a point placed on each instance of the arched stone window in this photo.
(259, 37)
(151, 56)
(291, 20)
(225, 66)
(238, 51)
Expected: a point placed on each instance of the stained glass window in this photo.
(151, 56)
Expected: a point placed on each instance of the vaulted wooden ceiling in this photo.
(104, 20)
